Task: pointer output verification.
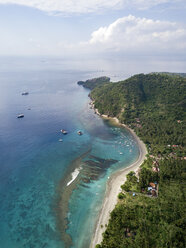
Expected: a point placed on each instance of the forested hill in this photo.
(95, 82)
(151, 207)
(172, 74)
(153, 105)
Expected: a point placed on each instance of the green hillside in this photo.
(172, 74)
(95, 82)
(154, 106)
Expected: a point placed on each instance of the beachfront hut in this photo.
(152, 185)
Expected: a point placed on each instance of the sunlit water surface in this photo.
(34, 164)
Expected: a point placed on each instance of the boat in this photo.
(25, 93)
(60, 140)
(20, 116)
(64, 131)
(79, 132)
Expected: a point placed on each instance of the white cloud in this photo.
(85, 6)
(131, 34)
(67, 6)
(145, 4)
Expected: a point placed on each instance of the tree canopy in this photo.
(154, 106)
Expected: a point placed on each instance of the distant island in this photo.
(151, 205)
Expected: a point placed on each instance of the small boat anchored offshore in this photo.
(25, 93)
(63, 131)
(20, 116)
(79, 132)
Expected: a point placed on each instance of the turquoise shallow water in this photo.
(85, 202)
(33, 162)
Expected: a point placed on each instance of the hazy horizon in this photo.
(116, 69)
(119, 30)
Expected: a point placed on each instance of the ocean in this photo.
(52, 185)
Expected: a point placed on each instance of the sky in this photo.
(94, 28)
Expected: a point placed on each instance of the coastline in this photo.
(114, 183)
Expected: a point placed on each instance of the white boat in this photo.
(79, 132)
(25, 93)
(64, 131)
(20, 116)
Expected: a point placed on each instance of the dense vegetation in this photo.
(142, 221)
(172, 74)
(92, 83)
(154, 106)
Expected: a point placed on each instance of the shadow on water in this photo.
(96, 167)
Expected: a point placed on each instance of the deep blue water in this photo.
(33, 163)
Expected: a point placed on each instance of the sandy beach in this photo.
(113, 188)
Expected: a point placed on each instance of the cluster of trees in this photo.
(140, 221)
(172, 74)
(131, 183)
(95, 82)
(154, 106)
(157, 101)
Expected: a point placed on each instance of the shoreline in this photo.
(114, 183)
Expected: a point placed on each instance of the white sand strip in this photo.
(113, 189)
